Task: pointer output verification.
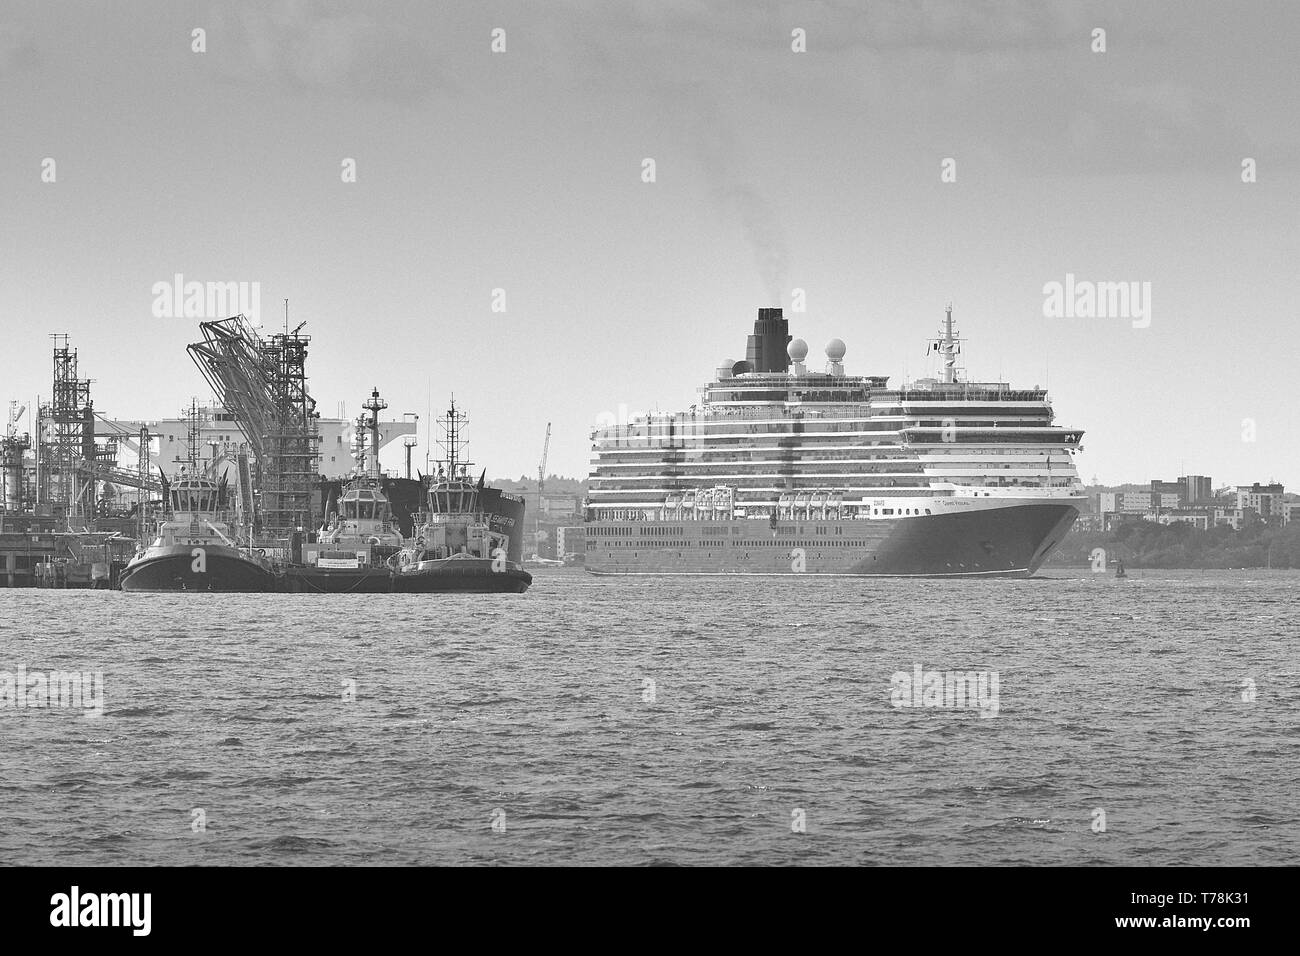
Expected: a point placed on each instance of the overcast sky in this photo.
(774, 170)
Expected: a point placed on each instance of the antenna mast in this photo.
(949, 346)
(453, 424)
(194, 422)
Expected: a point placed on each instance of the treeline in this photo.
(1144, 544)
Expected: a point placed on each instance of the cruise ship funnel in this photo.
(765, 350)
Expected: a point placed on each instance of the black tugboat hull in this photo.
(182, 568)
(460, 575)
(308, 580)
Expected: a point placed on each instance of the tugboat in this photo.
(195, 549)
(350, 554)
(462, 543)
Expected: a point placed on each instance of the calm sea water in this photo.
(769, 711)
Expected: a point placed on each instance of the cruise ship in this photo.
(784, 470)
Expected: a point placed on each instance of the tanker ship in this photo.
(781, 469)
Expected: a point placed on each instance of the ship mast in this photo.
(374, 407)
(949, 346)
(452, 425)
(194, 422)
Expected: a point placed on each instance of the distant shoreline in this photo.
(1129, 566)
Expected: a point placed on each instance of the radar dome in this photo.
(797, 350)
(835, 350)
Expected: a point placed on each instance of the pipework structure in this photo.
(264, 383)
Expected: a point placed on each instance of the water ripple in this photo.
(664, 722)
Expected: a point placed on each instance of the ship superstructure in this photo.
(782, 469)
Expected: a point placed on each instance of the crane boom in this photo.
(541, 471)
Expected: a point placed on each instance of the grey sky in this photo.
(775, 170)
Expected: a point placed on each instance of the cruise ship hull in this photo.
(992, 539)
(178, 568)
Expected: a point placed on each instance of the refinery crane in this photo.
(263, 382)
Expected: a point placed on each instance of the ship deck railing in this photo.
(709, 414)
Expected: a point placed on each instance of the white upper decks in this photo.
(770, 425)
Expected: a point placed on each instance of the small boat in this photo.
(350, 553)
(458, 546)
(195, 549)
(1119, 569)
